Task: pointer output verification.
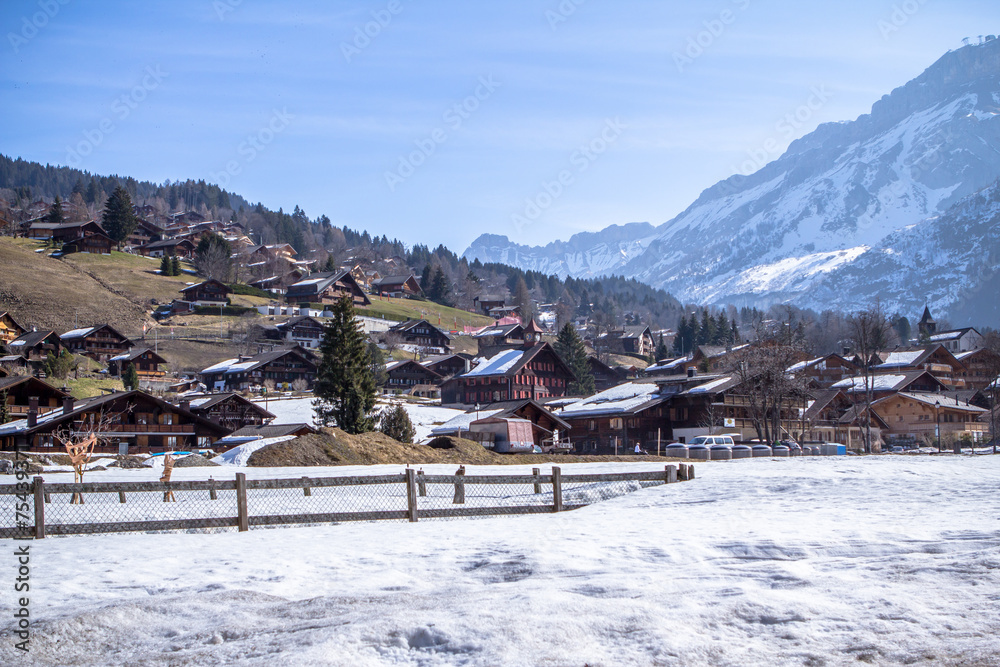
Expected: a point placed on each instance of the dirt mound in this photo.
(130, 463)
(194, 461)
(331, 447)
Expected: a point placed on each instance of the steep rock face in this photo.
(834, 198)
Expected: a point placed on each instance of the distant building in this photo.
(283, 367)
(129, 422)
(100, 343)
(420, 333)
(397, 286)
(229, 409)
(327, 288)
(146, 362)
(210, 293)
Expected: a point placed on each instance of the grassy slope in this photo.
(53, 294)
(404, 309)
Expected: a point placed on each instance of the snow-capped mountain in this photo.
(585, 255)
(848, 207)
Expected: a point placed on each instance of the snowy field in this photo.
(887, 560)
(300, 411)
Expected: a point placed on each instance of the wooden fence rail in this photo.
(411, 488)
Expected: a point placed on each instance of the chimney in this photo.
(32, 411)
(68, 405)
(692, 371)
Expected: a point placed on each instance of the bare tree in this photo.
(246, 333)
(300, 385)
(868, 333)
(767, 378)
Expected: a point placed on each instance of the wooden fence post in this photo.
(682, 472)
(459, 498)
(121, 497)
(690, 471)
(671, 474)
(421, 484)
(242, 517)
(411, 494)
(536, 472)
(39, 508)
(557, 501)
(306, 490)
(212, 495)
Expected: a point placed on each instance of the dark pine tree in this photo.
(118, 220)
(175, 266)
(661, 350)
(570, 349)
(165, 267)
(130, 378)
(396, 424)
(345, 384)
(55, 214)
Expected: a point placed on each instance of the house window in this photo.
(591, 425)
(616, 423)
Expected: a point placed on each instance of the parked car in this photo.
(709, 440)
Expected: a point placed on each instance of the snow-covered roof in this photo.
(498, 364)
(77, 333)
(877, 383)
(462, 421)
(221, 366)
(667, 365)
(943, 400)
(802, 365)
(708, 387)
(620, 399)
(906, 358)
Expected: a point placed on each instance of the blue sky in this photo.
(435, 122)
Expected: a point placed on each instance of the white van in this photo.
(709, 440)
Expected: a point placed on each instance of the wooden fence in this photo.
(117, 507)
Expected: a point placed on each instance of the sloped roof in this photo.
(629, 398)
(83, 405)
(30, 339)
(137, 352)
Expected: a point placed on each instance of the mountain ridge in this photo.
(832, 196)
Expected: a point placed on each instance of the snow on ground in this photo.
(423, 416)
(822, 561)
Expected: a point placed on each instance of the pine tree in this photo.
(345, 385)
(92, 192)
(130, 378)
(679, 348)
(661, 350)
(440, 287)
(425, 279)
(522, 299)
(175, 266)
(165, 267)
(396, 424)
(55, 214)
(118, 220)
(570, 349)
(376, 359)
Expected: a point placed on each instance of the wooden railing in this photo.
(116, 507)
